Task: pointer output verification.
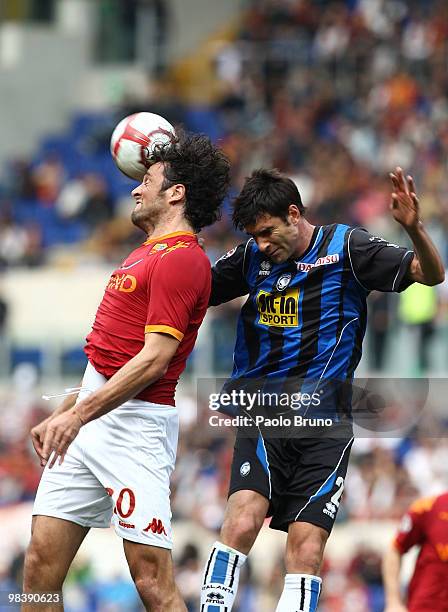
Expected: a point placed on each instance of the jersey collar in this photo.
(311, 244)
(166, 236)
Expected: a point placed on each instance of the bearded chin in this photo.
(143, 220)
(139, 220)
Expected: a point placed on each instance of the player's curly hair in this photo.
(265, 192)
(195, 162)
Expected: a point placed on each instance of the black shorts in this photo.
(303, 478)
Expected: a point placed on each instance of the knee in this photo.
(40, 572)
(155, 586)
(150, 590)
(240, 530)
(305, 556)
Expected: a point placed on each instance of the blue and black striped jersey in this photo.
(305, 318)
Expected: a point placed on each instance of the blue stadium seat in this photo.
(205, 120)
(26, 355)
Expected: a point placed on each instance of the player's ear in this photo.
(176, 193)
(293, 214)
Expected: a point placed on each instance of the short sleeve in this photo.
(228, 275)
(179, 286)
(412, 530)
(378, 264)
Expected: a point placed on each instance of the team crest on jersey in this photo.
(159, 246)
(265, 268)
(245, 468)
(283, 281)
(322, 261)
(278, 309)
(226, 255)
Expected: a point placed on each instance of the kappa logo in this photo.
(322, 261)
(156, 526)
(330, 509)
(126, 525)
(283, 281)
(265, 268)
(245, 468)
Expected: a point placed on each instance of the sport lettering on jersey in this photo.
(278, 309)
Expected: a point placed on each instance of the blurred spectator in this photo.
(378, 323)
(19, 245)
(189, 575)
(418, 310)
(48, 177)
(86, 199)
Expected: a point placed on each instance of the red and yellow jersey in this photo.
(162, 286)
(426, 525)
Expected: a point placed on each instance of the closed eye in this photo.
(266, 232)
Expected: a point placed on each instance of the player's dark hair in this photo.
(195, 162)
(265, 192)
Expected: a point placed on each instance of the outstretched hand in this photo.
(404, 205)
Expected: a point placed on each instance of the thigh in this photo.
(151, 562)
(251, 464)
(314, 489)
(70, 491)
(55, 542)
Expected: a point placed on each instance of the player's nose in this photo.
(263, 245)
(137, 191)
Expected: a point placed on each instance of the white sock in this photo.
(300, 593)
(220, 579)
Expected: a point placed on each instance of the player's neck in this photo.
(304, 238)
(170, 227)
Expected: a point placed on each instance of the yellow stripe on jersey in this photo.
(166, 236)
(423, 505)
(164, 329)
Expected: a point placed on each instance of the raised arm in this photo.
(427, 266)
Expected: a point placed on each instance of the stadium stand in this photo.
(335, 94)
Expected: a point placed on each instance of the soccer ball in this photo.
(133, 140)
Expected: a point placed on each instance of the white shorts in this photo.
(119, 468)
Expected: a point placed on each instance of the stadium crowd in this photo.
(335, 94)
(385, 475)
